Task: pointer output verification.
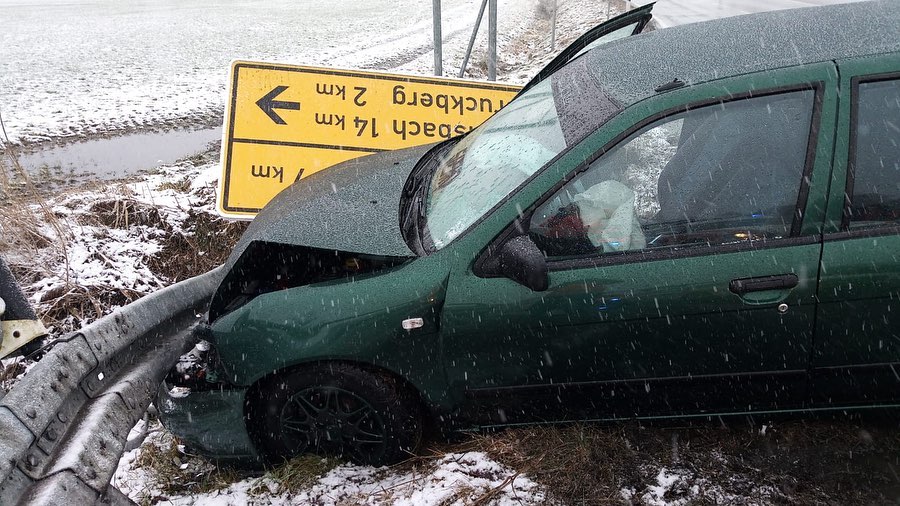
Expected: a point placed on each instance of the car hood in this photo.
(353, 207)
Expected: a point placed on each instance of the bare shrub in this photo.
(206, 242)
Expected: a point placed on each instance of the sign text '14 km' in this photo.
(284, 122)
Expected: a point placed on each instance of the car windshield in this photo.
(488, 164)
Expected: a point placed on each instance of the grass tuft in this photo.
(301, 472)
(206, 244)
(179, 474)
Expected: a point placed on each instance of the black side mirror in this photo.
(522, 262)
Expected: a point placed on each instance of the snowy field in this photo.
(71, 68)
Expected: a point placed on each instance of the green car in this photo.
(690, 222)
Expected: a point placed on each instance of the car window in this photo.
(875, 198)
(489, 163)
(724, 173)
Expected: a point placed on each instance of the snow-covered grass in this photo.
(111, 235)
(161, 472)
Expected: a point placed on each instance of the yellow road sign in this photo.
(284, 122)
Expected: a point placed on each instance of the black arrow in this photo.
(268, 104)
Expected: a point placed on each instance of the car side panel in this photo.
(354, 320)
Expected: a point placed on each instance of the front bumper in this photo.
(210, 422)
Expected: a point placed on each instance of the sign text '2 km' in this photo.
(285, 122)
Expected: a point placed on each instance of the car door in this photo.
(857, 349)
(624, 25)
(683, 258)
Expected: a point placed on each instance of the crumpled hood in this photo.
(353, 207)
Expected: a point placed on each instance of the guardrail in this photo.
(63, 426)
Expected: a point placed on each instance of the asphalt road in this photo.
(680, 12)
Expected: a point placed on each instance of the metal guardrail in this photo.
(63, 426)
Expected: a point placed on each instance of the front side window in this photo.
(489, 163)
(875, 199)
(719, 174)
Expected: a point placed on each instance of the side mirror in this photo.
(522, 262)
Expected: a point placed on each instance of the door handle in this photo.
(763, 283)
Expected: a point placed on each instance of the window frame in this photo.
(886, 228)
(594, 259)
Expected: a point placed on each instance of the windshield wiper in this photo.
(415, 192)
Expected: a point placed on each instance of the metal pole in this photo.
(553, 22)
(492, 40)
(465, 62)
(438, 54)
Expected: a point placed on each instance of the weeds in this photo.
(123, 213)
(796, 462)
(174, 472)
(66, 307)
(301, 472)
(206, 242)
(181, 186)
(19, 221)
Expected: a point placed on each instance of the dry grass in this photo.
(123, 213)
(833, 462)
(795, 462)
(177, 473)
(26, 220)
(35, 238)
(26, 223)
(206, 244)
(579, 464)
(9, 371)
(301, 472)
(24, 211)
(66, 306)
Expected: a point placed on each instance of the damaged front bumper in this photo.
(207, 414)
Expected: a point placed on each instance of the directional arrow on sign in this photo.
(268, 104)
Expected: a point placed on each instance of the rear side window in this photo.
(875, 163)
(721, 174)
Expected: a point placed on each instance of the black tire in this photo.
(337, 410)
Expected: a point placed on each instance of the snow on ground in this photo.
(113, 231)
(79, 67)
(449, 479)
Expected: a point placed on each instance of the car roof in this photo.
(630, 69)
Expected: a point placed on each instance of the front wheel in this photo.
(338, 410)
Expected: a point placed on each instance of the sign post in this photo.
(285, 122)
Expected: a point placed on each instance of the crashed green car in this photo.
(691, 222)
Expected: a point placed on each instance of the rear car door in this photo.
(857, 349)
